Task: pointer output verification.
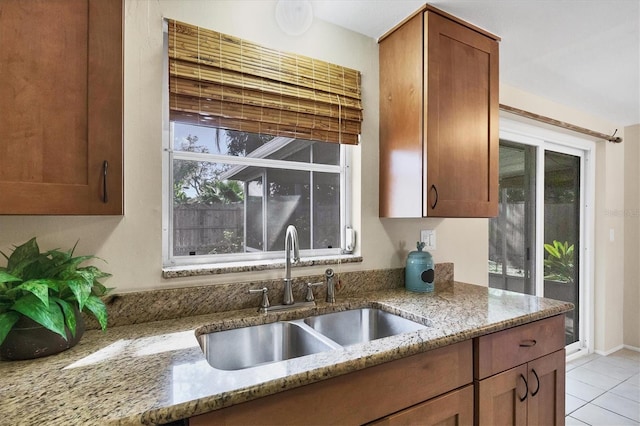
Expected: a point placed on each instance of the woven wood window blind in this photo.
(223, 81)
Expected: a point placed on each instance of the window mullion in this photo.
(265, 201)
(256, 162)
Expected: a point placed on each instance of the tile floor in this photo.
(604, 390)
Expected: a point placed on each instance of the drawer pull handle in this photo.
(526, 388)
(537, 380)
(528, 343)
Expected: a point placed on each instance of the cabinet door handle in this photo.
(105, 167)
(537, 380)
(435, 202)
(526, 388)
(528, 343)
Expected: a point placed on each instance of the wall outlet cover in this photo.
(428, 237)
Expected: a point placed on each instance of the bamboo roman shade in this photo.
(223, 81)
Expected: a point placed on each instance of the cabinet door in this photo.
(401, 96)
(502, 399)
(61, 107)
(452, 409)
(461, 120)
(546, 390)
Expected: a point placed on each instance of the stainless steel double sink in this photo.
(252, 346)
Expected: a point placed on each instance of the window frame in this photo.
(240, 259)
(169, 155)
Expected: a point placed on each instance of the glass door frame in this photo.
(545, 139)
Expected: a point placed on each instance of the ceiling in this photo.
(583, 54)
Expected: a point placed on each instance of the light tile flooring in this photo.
(604, 390)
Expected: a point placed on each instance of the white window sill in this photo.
(257, 265)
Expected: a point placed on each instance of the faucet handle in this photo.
(309, 297)
(264, 304)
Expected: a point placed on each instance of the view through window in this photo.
(234, 193)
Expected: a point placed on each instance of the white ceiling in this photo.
(581, 53)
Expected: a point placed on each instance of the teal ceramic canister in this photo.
(419, 273)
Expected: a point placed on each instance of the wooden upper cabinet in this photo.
(61, 107)
(438, 119)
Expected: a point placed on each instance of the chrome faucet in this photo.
(331, 286)
(290, 243)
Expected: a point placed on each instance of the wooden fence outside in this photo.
(200, 228)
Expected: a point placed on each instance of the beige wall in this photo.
(632, 237)
(132, 244)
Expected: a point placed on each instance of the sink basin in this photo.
(251, 346)
(361, 325)
(256, 345)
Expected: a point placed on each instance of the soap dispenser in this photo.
(419, 274)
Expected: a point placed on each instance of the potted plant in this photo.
(42, 296)
(559, 271)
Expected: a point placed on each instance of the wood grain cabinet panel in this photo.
(438, 119)
(61, 108)
(529, 394)
(362, 396)
(452, 409)
(520, 375)
(500, 351)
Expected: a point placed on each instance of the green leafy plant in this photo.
(47, 286)
(559, 265)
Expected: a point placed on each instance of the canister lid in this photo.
(419, 254)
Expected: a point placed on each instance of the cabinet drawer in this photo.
(505, 349)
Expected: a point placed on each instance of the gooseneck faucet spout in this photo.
(290, 243)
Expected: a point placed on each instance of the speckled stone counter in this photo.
(155, 372)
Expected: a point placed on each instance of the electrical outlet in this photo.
(428, 237)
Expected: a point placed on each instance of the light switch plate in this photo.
(428, 237)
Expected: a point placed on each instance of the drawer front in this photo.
(506, 349)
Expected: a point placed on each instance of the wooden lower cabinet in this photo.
(367, 395)
(511, 377)
(502, 398)
(452, 409)
(547, 390)
(531, 393)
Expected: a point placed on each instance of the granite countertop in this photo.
(155, 372)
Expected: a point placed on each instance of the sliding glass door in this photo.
(537, 243)
(512, 233)
(562, 232)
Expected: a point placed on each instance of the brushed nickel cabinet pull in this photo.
(528, 343)
(105, 167)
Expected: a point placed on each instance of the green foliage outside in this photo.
(559, 264)
(47, 286)
(203, 179)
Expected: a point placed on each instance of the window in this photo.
(255, 143)
(234, 193)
